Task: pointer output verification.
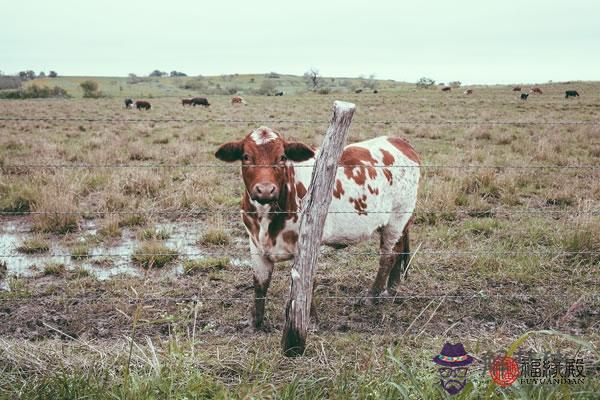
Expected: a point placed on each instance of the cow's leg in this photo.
(402, 248)
(389, 236)
(263, 269)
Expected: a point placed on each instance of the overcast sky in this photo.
(474, 41)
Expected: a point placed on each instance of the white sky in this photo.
(474, 41)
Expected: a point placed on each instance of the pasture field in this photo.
(88, 204)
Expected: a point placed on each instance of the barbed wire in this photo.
(183, 214)
(404, 296)
(236, 165)
(481, 252)
(300, 121)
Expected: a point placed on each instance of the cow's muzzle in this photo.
(264, 192)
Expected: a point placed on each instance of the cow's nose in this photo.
(265, 191)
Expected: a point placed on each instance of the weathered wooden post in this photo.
(315, 207)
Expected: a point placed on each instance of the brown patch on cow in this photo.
(388, 158)
(359, 204)
(373, 191)
(338, 191)
(405, 148)
(290, 237)
(300, 190)
(388, 175)
(355, 157)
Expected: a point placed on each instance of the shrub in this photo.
(10, 82)
(35, 92)
(425, 83)
(273, 75)
(33, 246)
(54, 269)
(267, 87)
(216, 237)
(90, 89)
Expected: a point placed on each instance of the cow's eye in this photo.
(246, 157)
(283, 158)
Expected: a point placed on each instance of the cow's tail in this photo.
(405, 245)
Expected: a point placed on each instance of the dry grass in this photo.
(475, 228)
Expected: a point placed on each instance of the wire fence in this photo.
(482, 294)
(299, 121)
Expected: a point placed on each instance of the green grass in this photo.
(33, 246)
(54, 269)
(216, 236)
(208, 264)
(153, 255)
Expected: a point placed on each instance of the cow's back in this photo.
(375, 186)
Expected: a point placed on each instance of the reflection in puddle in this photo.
(183, 237)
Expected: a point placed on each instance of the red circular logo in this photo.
(504, 371)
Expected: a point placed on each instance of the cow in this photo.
(238, 100)
(142, 104)
(358, 91)
(524, 96)
(571, 93)
(128, 103)
(536, 90)
(279, 94)
(375, 190)
(446, 89)
(375, 91)
(517, 89)
(469, 91)
(200, 101)
(186, 102)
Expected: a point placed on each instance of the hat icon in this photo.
(453, 355)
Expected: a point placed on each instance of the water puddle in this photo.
(107, 259)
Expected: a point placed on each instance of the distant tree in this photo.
(455, 84)
(157, 74)
(369, 82)
(42, 74)
(27, 75)
(90, 89)
(177, 73)
(312, 78)
(52, 74)
(273, 75)
(425, 83)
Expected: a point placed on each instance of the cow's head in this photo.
(264, 155)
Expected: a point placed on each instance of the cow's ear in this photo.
(297, 151)
(230, 151)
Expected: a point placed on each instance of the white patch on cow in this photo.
(263, 135)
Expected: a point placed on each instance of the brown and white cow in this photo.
(536, 90)
(469, 91)
(238, 100)
(375, 190)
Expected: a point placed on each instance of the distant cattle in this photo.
(524, 96)
(142, 105)
(469, 91)
(571, 93)
(186, 102)
(276, 188)
(128, 103)
(375, 91)
(358, 91)
(446, 89)
(536, 90)
(517, 89)
(237, 100)
(279, 94)
(200, 101)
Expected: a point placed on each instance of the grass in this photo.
(215, 236)
(153, 255)
(33, 246)
(54, 269)
(80, 252)
(208, 264)
(489, 233)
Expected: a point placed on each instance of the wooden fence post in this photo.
(315, 207)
